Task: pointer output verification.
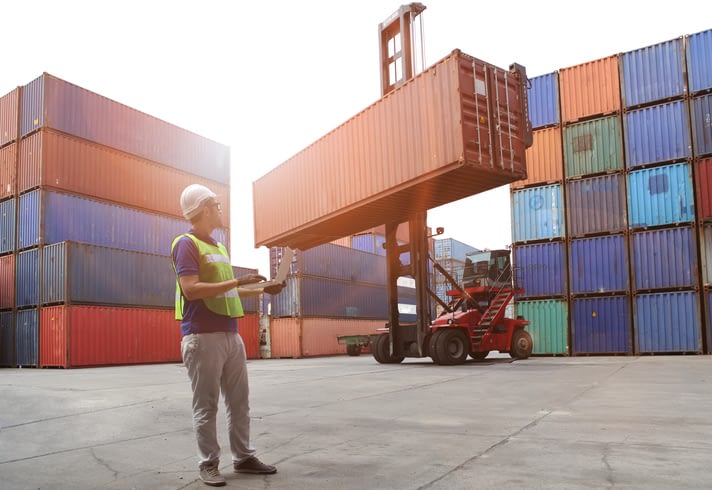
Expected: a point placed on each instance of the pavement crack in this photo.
(103, 463)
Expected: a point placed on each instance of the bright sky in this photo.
(267, 78)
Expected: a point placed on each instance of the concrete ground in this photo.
(351, 423)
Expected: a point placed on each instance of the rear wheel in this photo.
(452, 347)
(522, 344)
(353, 349)
(433, 348)
(381, 351)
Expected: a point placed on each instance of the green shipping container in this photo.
(593, 147)
(548, 324)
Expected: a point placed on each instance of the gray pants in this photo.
(217, 362)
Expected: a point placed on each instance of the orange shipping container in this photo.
(249, 327)
(306, 337)
(8, 117)
(8, 168)
(590, 89)
(545, 159)
(7, 281)
(52, 159)
(458, 128)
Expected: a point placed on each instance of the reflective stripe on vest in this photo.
(214, 266)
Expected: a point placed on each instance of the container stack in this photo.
(451, 255)
(88, 208)
(628, 216)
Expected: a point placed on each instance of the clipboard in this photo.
(282, 272)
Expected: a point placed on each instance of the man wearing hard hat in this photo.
(208, 306)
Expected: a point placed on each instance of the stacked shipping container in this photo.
(629, 209)
(88, 209)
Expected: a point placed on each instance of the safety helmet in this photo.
(192, 197)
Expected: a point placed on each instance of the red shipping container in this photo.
(8, 169)
(7, 281)
(703, 182)
(249, 327)
(456, 129)
(590, 89)
(52, 159)
(76, 336)
(8, 117)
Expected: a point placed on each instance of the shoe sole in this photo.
(256, 472)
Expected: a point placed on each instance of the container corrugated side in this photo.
(64, 162)
(337, 262)
(51, 102)
(27, 279)
(545, 161)
(661, 196)
(537, 213)
(599, 265)
(708, 316)
(706, 253)
(548, 324)
(285, 337)
(664, 258)
(590, 89)
(658, 133)
(249, 328)
(8, 170)
(540, 269)
(450, 248)
(596, 205)
(460, 125)
(601, 325)
(7, 226)
(9, 104)
(320, 335)
(544, 100)
(7, 281)
(78, 336)
(594, 146)
(27, 338)
(250, 304)
(7, 338)
(88, 274)
(653, 73)
(699, 63)
(667, 322)
(703, 188)
(336, 298)
(701, 108)
(48, 217)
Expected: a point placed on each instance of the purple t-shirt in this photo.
(197, 318)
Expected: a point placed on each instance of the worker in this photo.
(208, 305)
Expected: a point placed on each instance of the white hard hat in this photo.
(192, 197)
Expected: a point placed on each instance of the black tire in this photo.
(479, 356)
(381, 351)
(522, 345)
(353, 350)
(433, 348)
(452, 347)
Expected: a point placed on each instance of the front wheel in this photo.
(381, 351)
(522, 345)
(479, 356)
(452, 346)
(353, 349)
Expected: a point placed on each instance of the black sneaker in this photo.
(211, 476)
(254, 466)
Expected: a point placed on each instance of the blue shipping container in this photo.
(601, 325)
(307, 296)
(660, 196)
(50, 102)
(27, 338)
(665, 258)
(543, 95)
(667, 322)
(7, 339)
(53, 217)
(702, 124)
(7, 226)
(250, 304)
(337, 262)
(596, 205)
(540, 269)
(659, 133)
(537, 213)
(653, 73)
(699, 62)
(449, 248)
(599, 265)
(369, 242)
(27, 290)
(89, 274)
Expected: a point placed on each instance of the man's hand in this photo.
(276, 289)
(250, 279)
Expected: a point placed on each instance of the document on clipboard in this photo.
(282, 272)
